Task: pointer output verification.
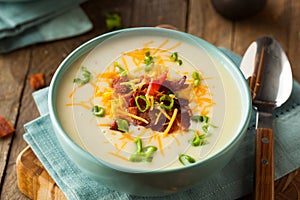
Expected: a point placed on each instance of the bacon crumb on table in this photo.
(37, 81)
(5, 127)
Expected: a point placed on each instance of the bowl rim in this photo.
(89, 45)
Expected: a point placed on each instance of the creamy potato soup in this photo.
(143, 102)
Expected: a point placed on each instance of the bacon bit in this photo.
(5, 127)
(37, 81)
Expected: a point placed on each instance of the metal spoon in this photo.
(269, 74)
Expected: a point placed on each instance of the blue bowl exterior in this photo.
(154, 183)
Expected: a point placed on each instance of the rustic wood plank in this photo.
(13, 69)
(46, 58)
(294, 38)
(157, 12)
(272, 21)
(207, 24)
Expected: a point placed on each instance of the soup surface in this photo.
(144, 102)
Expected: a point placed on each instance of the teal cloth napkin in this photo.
(25, 23)
(232, 182)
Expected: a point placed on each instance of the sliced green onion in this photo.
(167, 98)
(149, 61)
(147, 103)
(195, 75)
(136, 157)
(196, 141)
(199, 140)
(98, 111)
(196, 83)
(174, 57)
(113, 21)
(138, 142)
(148, 150)
(186, 159)
(122, 125)
(205, 128)
(121, 71)
(86, 76)
(196, 78)
(200, 118)
(142, 154)
(179, 62)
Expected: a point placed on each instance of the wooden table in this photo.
(280, 19)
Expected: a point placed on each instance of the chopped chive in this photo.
(121, 71)
(98, 111)
(196, 82)
(195, 75)
(144, 99)
(168, 99)
(205, 128)
(186, 159)
(85, 77)
(149, 61)
(199, 140)
(174, 57)
(142, 153)
(138, 142)
(113, 21)
(200, 118)
(196, 141)
(179, 62)
(196, 78)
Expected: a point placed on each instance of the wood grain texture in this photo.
(280, 19)
(264, 164)
(44, 58)
(13, 71)
(272, 21)
(207, 24)
(33, 180)
(294, 37)
(156, 12)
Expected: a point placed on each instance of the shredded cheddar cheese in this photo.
(134, 117)
(170, 123)
(119, 156)
(160, 145)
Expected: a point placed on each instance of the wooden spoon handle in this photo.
(264, 164)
